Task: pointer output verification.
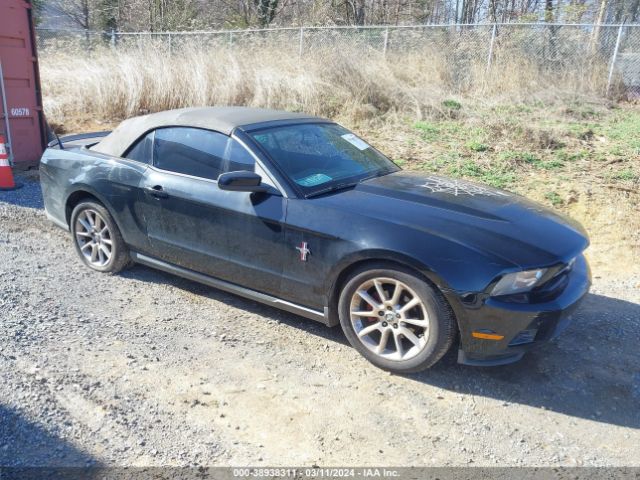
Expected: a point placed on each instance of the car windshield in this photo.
(320, 157)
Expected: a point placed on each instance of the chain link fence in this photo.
(605, 55)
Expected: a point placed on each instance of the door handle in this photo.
(156, 191)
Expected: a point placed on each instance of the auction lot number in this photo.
(314, 472)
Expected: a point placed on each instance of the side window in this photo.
(190, 151)
(141, 150)
(197, 152)
(237, 157)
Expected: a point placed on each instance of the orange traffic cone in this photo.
(6, 176)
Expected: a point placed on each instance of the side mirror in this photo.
(241, 182)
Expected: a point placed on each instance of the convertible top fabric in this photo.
(220, 119)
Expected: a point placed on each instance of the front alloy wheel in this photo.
(395, 319)
(390, 319)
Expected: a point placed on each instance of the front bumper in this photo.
(535, 323)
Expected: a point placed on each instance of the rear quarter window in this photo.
(141, 150)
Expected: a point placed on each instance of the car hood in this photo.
(482, 218)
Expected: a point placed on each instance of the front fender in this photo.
(351, 261)
(455, 270)
(340, 272)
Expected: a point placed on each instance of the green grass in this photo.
(626, 175)
(528, 158)
(554, 198)
(582, 112)
(583, 130)
(519, 157)
(513, 109)
(625, 131)
(477, 146)
(552, 165)
(495, 175)
(452, 104)
(511, 144)
(429, 131)
(565, 156)
(454, 133)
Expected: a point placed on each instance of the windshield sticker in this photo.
(355, 141)
(459, 187)
(313, 180)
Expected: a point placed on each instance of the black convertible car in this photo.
(298, 212)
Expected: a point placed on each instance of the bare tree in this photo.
(595, 38)
(78, 11)
(548, 11)
(266, 11)
(161, 15)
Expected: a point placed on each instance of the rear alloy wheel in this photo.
(97, 238)
(94, 238)
(396, 320)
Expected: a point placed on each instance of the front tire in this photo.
(395, 319)
(97, 239)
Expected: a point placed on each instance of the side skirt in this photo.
(231, 288)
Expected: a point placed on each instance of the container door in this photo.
(21, 84)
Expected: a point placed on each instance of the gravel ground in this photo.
(144, 368)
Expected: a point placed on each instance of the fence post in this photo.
(386, 41)
(231, 39)
(493, 39)
(169, 38)
(613, 58)
(112, 40)
(301, 45)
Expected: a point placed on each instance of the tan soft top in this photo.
(220, 119)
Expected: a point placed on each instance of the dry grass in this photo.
(116, 84)
(547, 135)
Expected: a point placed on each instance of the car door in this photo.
(235, 236)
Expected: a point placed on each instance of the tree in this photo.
(548, 11)
(163, 15)
(595, 39)
(266, 11)
(167, 15)
(108, 15)
(78, 11)
(36, 11)
(355, 12)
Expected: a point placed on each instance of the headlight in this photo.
(518, 282)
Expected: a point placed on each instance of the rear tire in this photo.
(395, 319)
(97, 239)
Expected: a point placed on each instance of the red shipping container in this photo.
(25, 132)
